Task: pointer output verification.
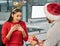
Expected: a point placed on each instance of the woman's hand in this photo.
(14, 28)
(22, 30)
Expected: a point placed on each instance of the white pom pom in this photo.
(15, 3)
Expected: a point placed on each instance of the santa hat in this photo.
(52, 11)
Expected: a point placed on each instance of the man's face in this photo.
(50, 21)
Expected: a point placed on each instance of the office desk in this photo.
(39, 25)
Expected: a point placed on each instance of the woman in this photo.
(14, 31)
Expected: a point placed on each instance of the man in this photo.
(52, 11)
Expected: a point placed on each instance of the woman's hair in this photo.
(14, 11)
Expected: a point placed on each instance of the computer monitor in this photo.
(38, 12)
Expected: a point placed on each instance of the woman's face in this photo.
(17, 16)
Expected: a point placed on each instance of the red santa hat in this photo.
(52, 11)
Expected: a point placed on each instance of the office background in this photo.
(7, 5)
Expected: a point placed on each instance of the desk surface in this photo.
(39, 25)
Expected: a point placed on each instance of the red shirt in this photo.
(16, 38)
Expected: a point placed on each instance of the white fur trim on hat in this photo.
(49, 15)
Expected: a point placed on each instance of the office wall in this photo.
(7, 6)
